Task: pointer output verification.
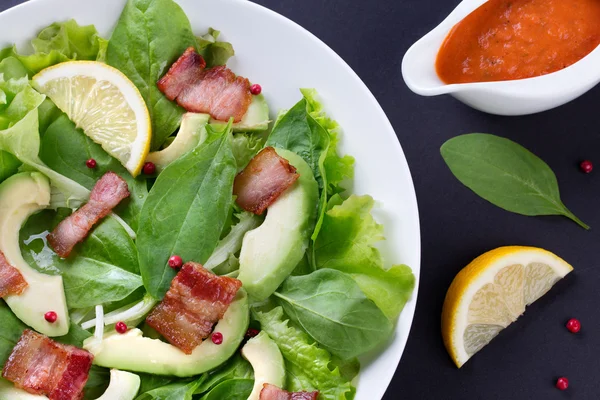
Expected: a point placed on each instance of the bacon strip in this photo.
(109, 191)
(215, 91)
(196, 301)
(42, 366)
(11, 280)
(272, 392)
(265, 178)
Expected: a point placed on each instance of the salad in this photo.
(162, 238)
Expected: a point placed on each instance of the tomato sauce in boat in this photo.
(517, 39)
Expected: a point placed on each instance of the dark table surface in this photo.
(527, 358)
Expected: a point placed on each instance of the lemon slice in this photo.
(105, 104)
(492, 292)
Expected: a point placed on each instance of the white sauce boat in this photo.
(517, 97)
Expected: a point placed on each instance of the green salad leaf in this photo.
(150, 35)
(11, 329)
(308, 365)
(299, 132)
(214, 52)
(337, 168)
(173, 391)
(245, 146)
(186, 210)
(57, 43)
(65, 149)
(232, 389)
(332, 309)
(9, 165)
(505, 174)
(347, 243)
(102, 269)
(235, 368)
(19, 136)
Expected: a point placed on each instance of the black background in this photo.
(525, 360)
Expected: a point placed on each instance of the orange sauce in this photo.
(517, 39)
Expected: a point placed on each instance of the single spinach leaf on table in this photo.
(186, 210)
(505, 174)
(65, 149)
(232, 389)
(150, 35)
(102, 269)
(347, 243)
(309, 364)
(332, 309)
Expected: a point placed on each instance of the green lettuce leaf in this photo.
(149, 37)
(233, 389)
(308, 366)
(173, 391)
(347, 243)
(245, 146)
(337, 168)
(235, 368)
(58, 43)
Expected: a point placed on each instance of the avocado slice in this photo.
(123, 386)
(256, 118)
(22, 195)
(271, 252)
(131, 351)
(266, 360)
(190, 135)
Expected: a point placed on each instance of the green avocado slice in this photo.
(134, 352)
(266, 360)
(22, 195)
(271, 252)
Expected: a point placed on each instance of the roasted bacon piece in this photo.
(196, 301)
(109, 191)
(42, 366)
(265, 178)
(272, 392)
(11, 280)
(215, 91)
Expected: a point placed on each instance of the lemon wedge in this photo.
(492, 292)
(105, 104)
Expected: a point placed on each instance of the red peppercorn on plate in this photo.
(252, 155)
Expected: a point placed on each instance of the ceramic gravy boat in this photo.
(517, 97)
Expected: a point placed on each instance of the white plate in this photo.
(282, 57)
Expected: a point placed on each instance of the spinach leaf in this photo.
(308, 366)
(186, 210)
(332, 309)
(102, 269)
(298, 131)
(65, 149)
(11, 329)
(233, 389)
(149, 37)
(9, 165)
(505, 174)
(347, 243)
(174, 391)
(235, 368)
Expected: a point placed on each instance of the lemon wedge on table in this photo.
(105, 104)
(492, 292)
